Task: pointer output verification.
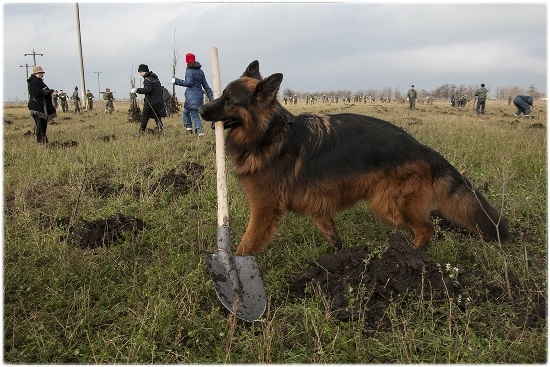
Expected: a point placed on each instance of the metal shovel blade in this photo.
(236, 278)
(238, 283)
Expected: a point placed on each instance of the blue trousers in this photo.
(193, 115)
(522, 106)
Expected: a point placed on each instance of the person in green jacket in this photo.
(411, 95)
(108, 98)
(481, 95)
(76, 101)
(90, 98)
(63, 98)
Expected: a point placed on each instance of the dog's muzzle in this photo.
(226, 124)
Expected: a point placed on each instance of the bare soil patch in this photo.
(62, 145)
(105, 231)
(181, 178)
(360, 284)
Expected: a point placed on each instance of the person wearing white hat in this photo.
(40, 103)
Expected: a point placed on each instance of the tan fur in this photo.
(401, 196)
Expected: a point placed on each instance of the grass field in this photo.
(146, 296)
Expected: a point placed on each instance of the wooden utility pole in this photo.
(34, 56)
(26, 66)
(82, 81)
(98, 85)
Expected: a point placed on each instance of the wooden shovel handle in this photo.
(221, 181)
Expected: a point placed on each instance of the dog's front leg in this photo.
(326, 226)
(261, 228)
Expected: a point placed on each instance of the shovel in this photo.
(236, 278)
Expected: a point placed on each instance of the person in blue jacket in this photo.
(195, 81)
(523, 104)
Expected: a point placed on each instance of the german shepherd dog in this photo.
(317, 165)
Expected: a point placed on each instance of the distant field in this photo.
(103, 234)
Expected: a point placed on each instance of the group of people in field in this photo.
(522, 103)
(154, 103)
(62, 98)
(43, 101)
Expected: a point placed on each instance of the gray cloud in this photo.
(317, 46)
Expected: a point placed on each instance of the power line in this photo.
(45, 18)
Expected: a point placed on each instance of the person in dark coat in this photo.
(153, 103)
(523, 104)
(40, 103)
(195, 81)
(167, 97)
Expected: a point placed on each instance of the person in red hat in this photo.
(195, 81)
(40, 103)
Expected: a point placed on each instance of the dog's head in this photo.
(244, 101)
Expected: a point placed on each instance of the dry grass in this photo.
(149, 299)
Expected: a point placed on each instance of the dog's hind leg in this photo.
(261, 228)
(326, 226)
(404, 198)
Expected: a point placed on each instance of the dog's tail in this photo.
(463, 204)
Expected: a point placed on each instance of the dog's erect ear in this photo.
(253, 70)
(270, 85)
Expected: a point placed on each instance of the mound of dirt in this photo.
(181, 178)
(401, 269)
(103, 232)
(107, 138)
(361, 285)
(58, 145)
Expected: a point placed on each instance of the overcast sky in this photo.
(317, 46)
